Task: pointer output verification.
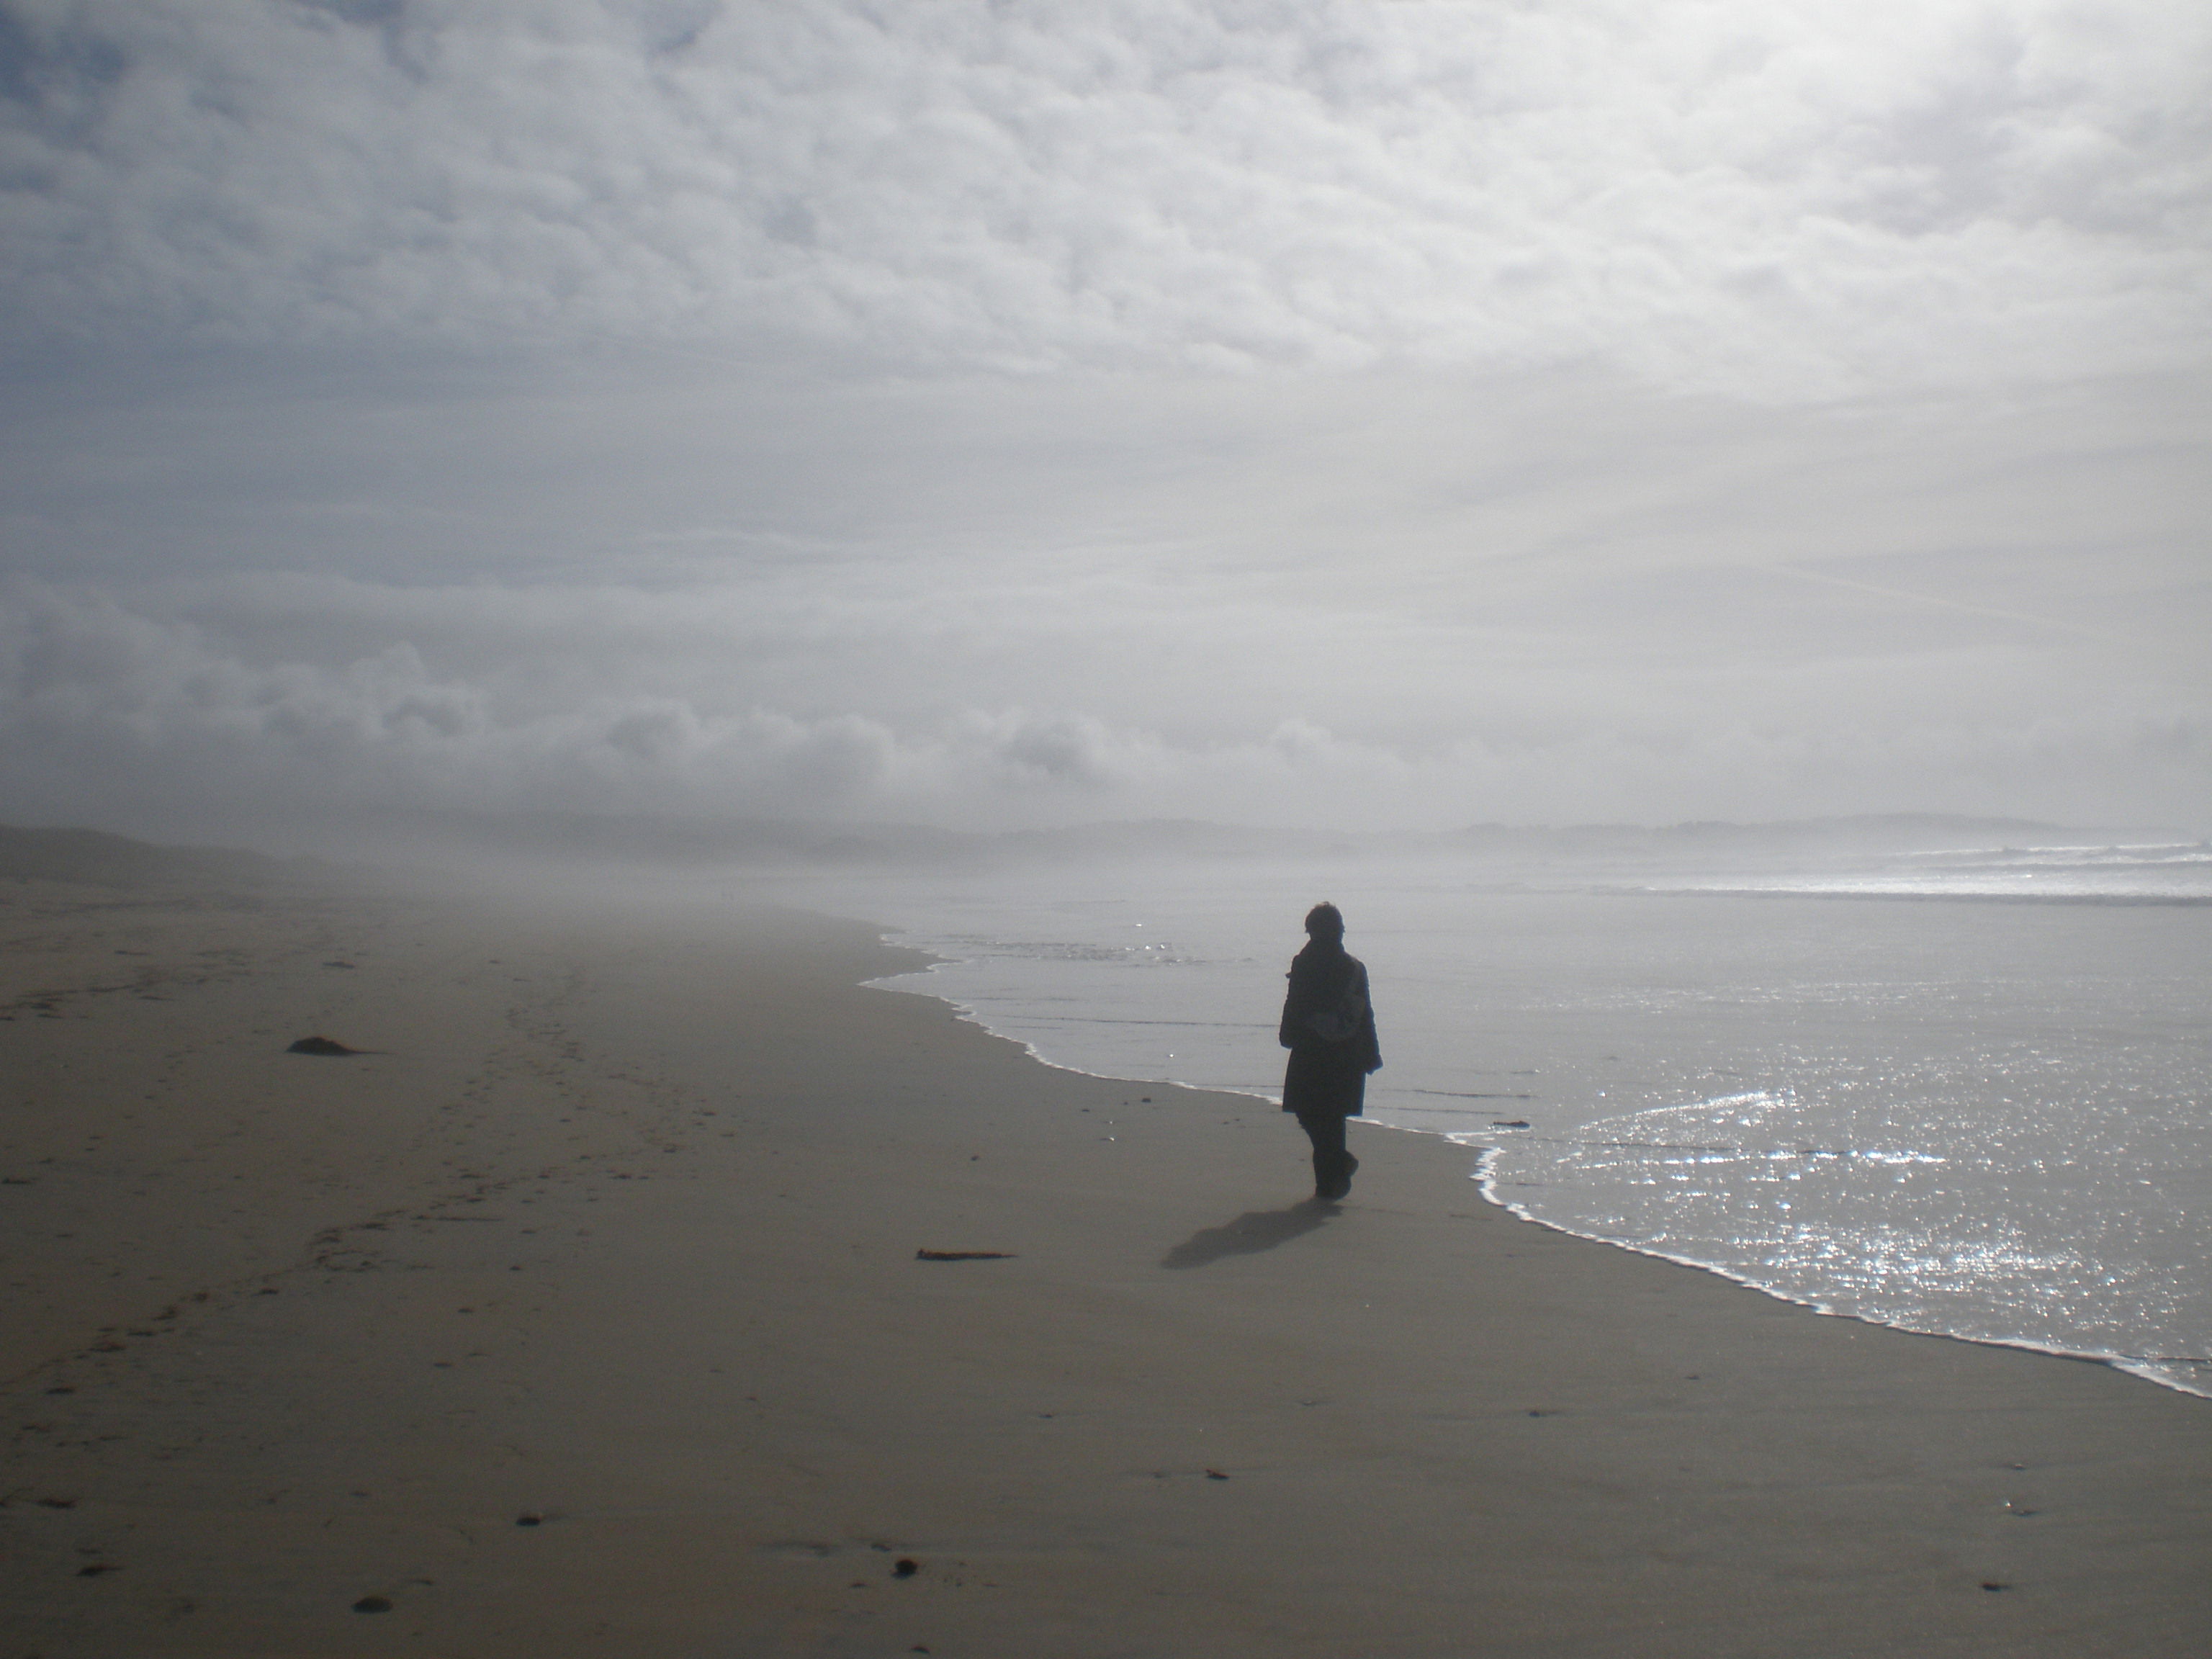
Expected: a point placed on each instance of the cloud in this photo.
(1321, 412)
(1769, 199)
(114, 714)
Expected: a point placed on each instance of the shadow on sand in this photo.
(1250, 1233)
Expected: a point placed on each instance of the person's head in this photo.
(1326, 923)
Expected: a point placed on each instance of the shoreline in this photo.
(596, 1326)
(2146, 1367)
(1482, 1176)
(2115, 1361)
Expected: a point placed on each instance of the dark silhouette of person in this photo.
(1328, 1026)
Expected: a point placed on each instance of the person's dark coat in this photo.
(1328, 1026)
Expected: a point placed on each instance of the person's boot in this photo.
(1338, 1183)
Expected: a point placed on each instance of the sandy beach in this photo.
(581, 1312)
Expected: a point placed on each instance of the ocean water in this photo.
(1960, 1093)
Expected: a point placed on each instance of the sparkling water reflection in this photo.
(1984, 1118)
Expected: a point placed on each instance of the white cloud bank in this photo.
(1774, 198)
(135, 720)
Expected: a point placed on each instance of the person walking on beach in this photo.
(1328, 1026)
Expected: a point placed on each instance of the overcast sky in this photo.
(1404, 412)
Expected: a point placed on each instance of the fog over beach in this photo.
(534, 537)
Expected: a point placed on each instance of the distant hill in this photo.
(1883, 832)
(1886, 827)
(772, 844)
(105, 861)
(492, 841)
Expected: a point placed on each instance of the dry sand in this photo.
(582, 1315)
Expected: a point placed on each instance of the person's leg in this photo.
(1341, 1162)
(1350, 1166)
(1312, 1127)
(1331, 1163)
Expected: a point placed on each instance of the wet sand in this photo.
(582, 1314)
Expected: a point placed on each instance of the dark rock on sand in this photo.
(320, 1045)
(372, 1604)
